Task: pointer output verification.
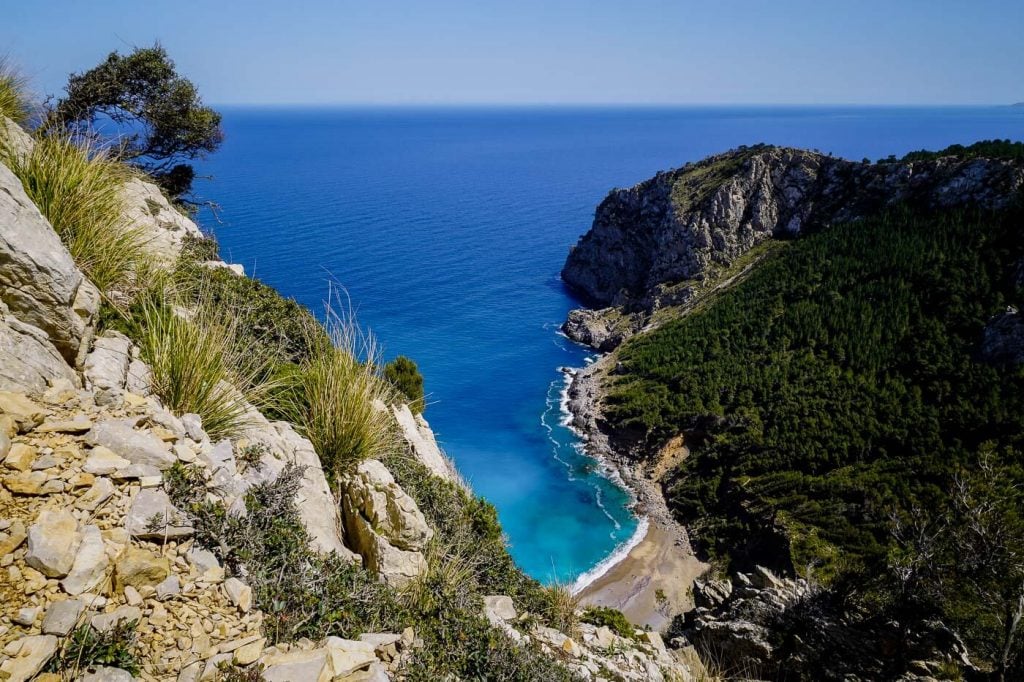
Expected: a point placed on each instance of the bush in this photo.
(405, 376)
(197, 366)
(78, 188)
(331, 398)
(610, 618)
(13, 100)
(85, 648)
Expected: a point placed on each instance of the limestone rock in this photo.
(346, 656)
(105, 621)
(297, 665)
(138, 447)
(107, 674)
(106, 367)
(25, 413)
(501, 606)
(20, 457)
(33, 653)
(384, 525)
(91, 563)
(153, 506)
(103, 461)
(15, 138)
(62, 616)
(99, 493)
(163, 225)
(140, 567)
(39, 281)
(12, 538)
(239, 593)
(52, 543)
(28, 360)
(170, 587)
(420, 439)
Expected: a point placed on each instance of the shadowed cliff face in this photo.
(674, 226)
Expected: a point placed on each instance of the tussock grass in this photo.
(561, 608)
(14, 101)
(77, 186)
(336, 396)
(197, 365)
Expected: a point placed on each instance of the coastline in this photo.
(651, 582)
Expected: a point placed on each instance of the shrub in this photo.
(405, 376)
(85, 648)
(13, 100)
(610, 618)
(561, 608)
(197, 366)
(78, 188)
(334, 395)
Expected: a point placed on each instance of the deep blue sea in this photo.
(448, 227)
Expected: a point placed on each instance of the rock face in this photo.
(676, 226)
(28, 361)
(1003, 338)
(384, 525)
(422, 444)
(164, 226)
(39, 282)
(772, 627)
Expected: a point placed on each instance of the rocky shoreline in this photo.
(652, 582)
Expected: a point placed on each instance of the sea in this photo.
(444, 230)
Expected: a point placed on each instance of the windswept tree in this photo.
(162, 122)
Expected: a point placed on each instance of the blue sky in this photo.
(545, 51)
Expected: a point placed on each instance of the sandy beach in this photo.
(653, 582)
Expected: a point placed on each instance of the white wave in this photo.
(606, 564)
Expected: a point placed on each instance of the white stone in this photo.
(138, 447)
(33, 653)
(151, 504)
(239, 593)
(52, 543)
(91, 563)
(103, 461)
(62, 616)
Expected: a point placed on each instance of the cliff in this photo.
(667, 240)
(143, 541)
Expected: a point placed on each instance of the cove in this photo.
(447, 228)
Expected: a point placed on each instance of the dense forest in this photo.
(837, 398)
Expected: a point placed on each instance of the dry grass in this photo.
(561, 608)
(198, 366)
(77, 186)
(335, 396)
(14, 101)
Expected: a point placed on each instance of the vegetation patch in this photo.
(14, 103)
(405, 376)
(85, 648)
(609, 618)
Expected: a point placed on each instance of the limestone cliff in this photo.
(661, 242)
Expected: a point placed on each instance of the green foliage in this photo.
(267, 322)
(13, 99)
(699, 180)
(331, 398)
(85, 648)
(78, 188)
(989, 149)
(199, 249)
(198, 366)
(405, 376)
(841, 381)
(610, 618)
(143, 92)
(231, 672)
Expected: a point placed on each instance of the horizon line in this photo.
(605, 105)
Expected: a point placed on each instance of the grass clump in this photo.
(197, 365)
(85, 648)
(14, 102)
(610, 618)
(334, 398)
(78, 188)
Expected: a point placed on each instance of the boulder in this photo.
(39, 281)
(53, 542)
(62, 616)
(139, 567)
(103, 461)
(106, 366)
(384, 525)
(153, 517)
(28, 361)
(106, 674)
(33, 654)
(164, 227)
(25, 413)
(91, 563)
(14, 137)
(239, 593)
(122, 614)
(308, 666)
(501, 606)
(20, 457)
(100, 492)
(138, 447)
(346, 656)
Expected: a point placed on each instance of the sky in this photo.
(543, 51)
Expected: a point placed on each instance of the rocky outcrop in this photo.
(39, 282)
(1003, 338)
(164, 227)
(686, 225)
(423, 446)
(28, 361)
(384, 525)
(769, 626)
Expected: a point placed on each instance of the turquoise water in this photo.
(448, 227)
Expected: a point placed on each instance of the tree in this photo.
(163, 122)
(405, 376)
